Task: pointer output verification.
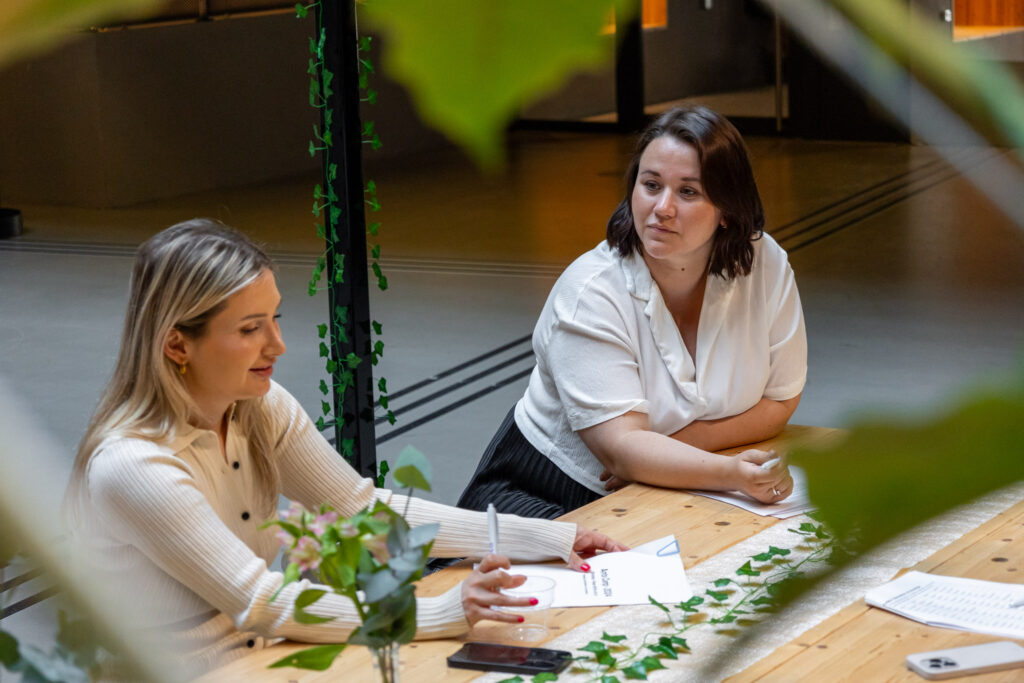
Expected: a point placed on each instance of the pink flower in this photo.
(320, 524)
(377, 545)
(306, 553)
(284, 538)
(294, 514)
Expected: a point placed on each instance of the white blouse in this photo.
(606, 344)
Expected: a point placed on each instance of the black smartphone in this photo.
(509, 658)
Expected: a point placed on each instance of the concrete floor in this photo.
(911, 283)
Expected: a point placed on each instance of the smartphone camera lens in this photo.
(940, 663)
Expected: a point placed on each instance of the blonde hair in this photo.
(182, 278)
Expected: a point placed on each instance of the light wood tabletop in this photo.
(862, 643)
(633, 515)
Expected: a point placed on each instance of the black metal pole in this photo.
(629, 72)
(354, 430)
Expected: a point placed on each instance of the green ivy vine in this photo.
(757, 588)
(328, 213)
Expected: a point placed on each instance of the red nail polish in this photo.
(585, 567)
(534, 601)
(521, 619)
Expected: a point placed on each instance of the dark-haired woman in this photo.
(680, 334)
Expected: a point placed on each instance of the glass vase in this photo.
(385, 662)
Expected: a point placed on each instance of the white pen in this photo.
(770, 464)
(1017, 603)
(492, 527)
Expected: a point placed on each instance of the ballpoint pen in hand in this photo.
(769, 464)
(492, 527)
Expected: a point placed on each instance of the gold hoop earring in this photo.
(181, 368)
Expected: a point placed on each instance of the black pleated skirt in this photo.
(521, 480)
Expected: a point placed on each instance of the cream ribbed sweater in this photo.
(174, 526)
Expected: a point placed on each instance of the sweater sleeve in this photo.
(149, 500)
(313, 473)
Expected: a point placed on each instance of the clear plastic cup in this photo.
(535, 617)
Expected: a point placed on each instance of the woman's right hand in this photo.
(767, 486)
(482, 589)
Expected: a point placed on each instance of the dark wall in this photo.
(701, 51)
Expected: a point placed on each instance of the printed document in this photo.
(627, 578)
(796, 504)
(954, 602)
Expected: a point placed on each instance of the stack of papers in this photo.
(796, 504)
(654, 569)
(953, 602)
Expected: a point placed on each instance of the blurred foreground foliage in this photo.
(888, 477)
(28, 26)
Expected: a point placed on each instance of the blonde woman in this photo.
(192, 444)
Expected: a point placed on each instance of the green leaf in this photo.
(514, 679)
(652, 663)
(8, 650)
(720, 583)
(594, 646)
(317, 658)
(637, 672)
(380, 585)
(375, 251)
(762, 557)
(657, 604)
(874, 497)
(364, 43)
(606, 659)
(747, 570)
(391, 418)
(373, 228)
(781, 552)
(412, 470)
(495, 58)
(544, 677)
(609, 679)
(664, 651)
(301, 11)
(382, 383)
(321, 330)
(610, 638)
(717, 596)
(305, 599)
(325, 407)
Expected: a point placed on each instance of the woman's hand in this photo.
(766, 486)
(587, 543)
(482, 589)
(611, 482)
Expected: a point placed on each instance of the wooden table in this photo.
(862, 643)
(635, 514)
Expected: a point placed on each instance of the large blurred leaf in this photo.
(471, 66)
(31, 25)
(887, 478)
(980, 89)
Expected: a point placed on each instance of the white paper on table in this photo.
(797, 503)
(954, 602)
(624, 578)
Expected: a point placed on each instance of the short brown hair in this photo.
(727, 179)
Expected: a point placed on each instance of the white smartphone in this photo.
(965, 661)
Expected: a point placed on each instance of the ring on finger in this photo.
(776, 492)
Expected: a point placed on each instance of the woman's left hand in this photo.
(587, 543)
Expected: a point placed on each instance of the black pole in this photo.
(629, 72)
(349, 299)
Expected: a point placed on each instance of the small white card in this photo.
(627, 578)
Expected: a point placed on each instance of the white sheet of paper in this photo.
(954, 602)
(796, 504)
(626, 578)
